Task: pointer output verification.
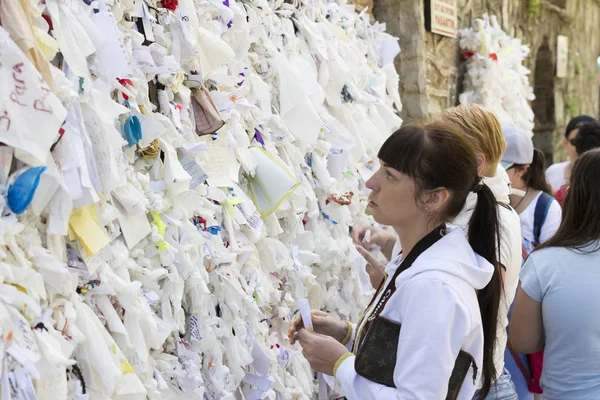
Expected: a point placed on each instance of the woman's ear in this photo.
(435, 199)
(522, 171)
(481, 161)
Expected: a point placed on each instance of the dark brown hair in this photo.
(576, 123)
(535, 176)
(588, 137)
(580, 225)
(438, 155)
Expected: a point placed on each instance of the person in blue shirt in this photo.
(558, 300)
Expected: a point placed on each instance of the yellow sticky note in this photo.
(126, 368)
(230, 203)
(86, 226)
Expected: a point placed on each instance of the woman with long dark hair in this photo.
(557, 304)
(430, 329)
(540, 214)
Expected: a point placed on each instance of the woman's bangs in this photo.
(403, 150)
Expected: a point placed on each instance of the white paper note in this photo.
(305, 313)
(197, 146)
(176, 178)
(151, 129)
(111, 54)
(30, 114)
(134, 228)
(216, 161)
(191, 167)
(146, 19)
(261, 361)
(260, 382)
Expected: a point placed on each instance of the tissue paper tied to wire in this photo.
(175, 175)
(495, 75)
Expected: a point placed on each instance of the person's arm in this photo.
(434, 326)
(526, 325)
(526, 328)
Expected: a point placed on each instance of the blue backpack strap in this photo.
(540, 214)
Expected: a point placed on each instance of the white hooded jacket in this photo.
(436, 303)
(510, 251)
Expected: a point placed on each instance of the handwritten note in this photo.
(194, 329)
(191, 167)
(30, 114)
(217, 160)
(144, 60)
(106, 140)
(21, 385)
(251, 216)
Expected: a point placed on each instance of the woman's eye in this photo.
(388, 175)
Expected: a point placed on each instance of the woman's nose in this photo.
(371, 183)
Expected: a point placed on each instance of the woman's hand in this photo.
(324, 324)
(375, 269)
(383, 239)
(375, 236)
(322, 352)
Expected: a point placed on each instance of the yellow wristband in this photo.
(340, 361)
(348, 336)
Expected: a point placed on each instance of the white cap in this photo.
(519, 147)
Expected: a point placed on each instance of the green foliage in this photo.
(534, 7)
(572, 107)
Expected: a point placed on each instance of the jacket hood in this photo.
(500, 185)
(451, 255)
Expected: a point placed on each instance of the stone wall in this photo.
(429, 88)
(360, 4)
(405, 20)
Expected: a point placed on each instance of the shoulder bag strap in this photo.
(419, 248)
(519, 362)
(540, 214)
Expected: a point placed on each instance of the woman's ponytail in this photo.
(484, 238)
(535, 176)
